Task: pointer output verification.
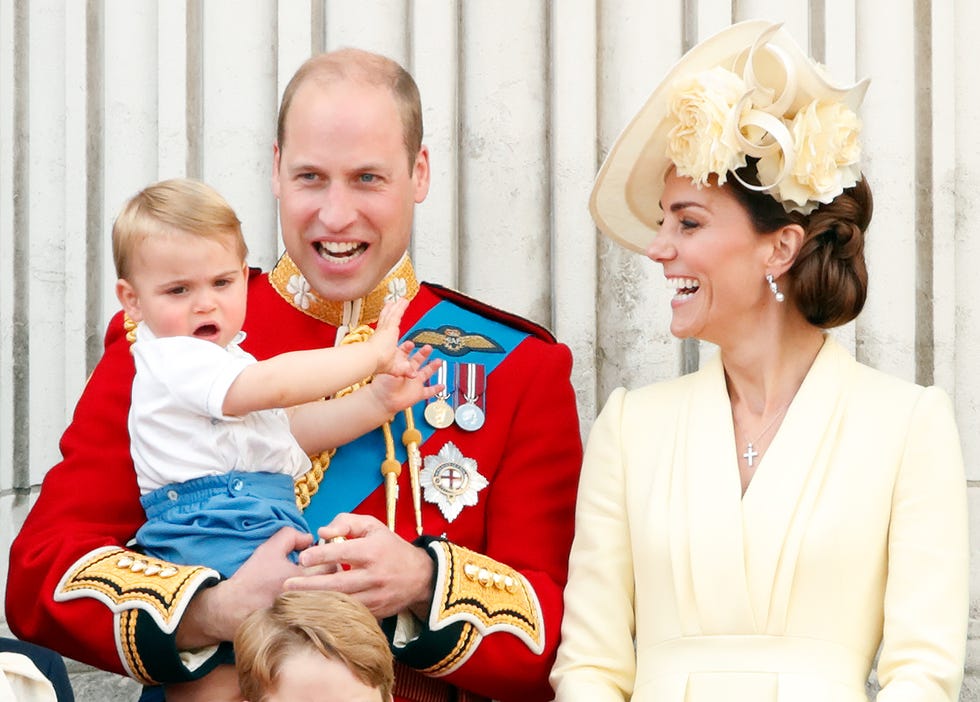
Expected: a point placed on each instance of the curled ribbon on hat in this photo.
(775, 137)
(806, 144)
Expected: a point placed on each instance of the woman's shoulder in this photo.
(668, 387)
(663, 395)
(886, 394)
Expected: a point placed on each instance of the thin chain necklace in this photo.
(750, 453)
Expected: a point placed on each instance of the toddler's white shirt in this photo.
(176, 427)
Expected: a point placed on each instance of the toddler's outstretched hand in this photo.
(395, 392)
(393, 359)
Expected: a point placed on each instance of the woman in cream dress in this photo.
(752, 532)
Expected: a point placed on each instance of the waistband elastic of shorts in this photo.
(272, 485)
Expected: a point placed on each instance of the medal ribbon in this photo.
(353, 474)
(472, 383)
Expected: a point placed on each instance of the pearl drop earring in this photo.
(775, 288)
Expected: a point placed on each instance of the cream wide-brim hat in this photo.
(625, 201)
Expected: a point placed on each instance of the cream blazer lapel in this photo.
(778, 503)
(736, 556)
(707, 520)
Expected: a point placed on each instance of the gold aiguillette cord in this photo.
(391, 468)
(412, 437)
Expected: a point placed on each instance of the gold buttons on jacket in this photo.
(137, 565)
(487, 577)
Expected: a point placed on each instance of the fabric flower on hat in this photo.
(827, 155)
(707, 109)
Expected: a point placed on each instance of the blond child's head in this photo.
(180, 261)
(322, 641)
(173, 207)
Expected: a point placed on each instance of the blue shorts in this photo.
(218, 520)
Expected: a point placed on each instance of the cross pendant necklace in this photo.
(750, 453)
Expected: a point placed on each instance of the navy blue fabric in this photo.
(152, 694)
(51, 665)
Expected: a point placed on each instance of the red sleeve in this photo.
(90, 501)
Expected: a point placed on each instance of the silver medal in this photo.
(469, 416)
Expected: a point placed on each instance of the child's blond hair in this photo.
(179, 205)
(332, 623)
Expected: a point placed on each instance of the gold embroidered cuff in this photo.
(476, 589)
(128, 647)
(469, 639)
(124, 580)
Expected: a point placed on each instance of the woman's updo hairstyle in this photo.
(829, 277)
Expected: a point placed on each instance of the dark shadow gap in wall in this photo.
(194, 87)
(818, 30)
(461, 170)
(690, 359)
(94, 182)
(689, 27)
(21, 333)
(547, 63)
(924, 297)
(318, 21)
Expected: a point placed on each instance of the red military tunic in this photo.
(500, 564)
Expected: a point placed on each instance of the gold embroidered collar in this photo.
(294, 289)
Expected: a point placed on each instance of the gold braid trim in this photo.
(469, 639)
(289, 282)
(306, 485)
(474, 588)
(126, 621)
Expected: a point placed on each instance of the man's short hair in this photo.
(367, 68)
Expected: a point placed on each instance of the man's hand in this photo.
(379, 568)
(215, 613)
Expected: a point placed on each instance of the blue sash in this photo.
(355, 470)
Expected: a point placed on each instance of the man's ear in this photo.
(786, 244)
(129, 299)
(420, 173)
(276, 158)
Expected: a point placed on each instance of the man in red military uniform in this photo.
(488, 472)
